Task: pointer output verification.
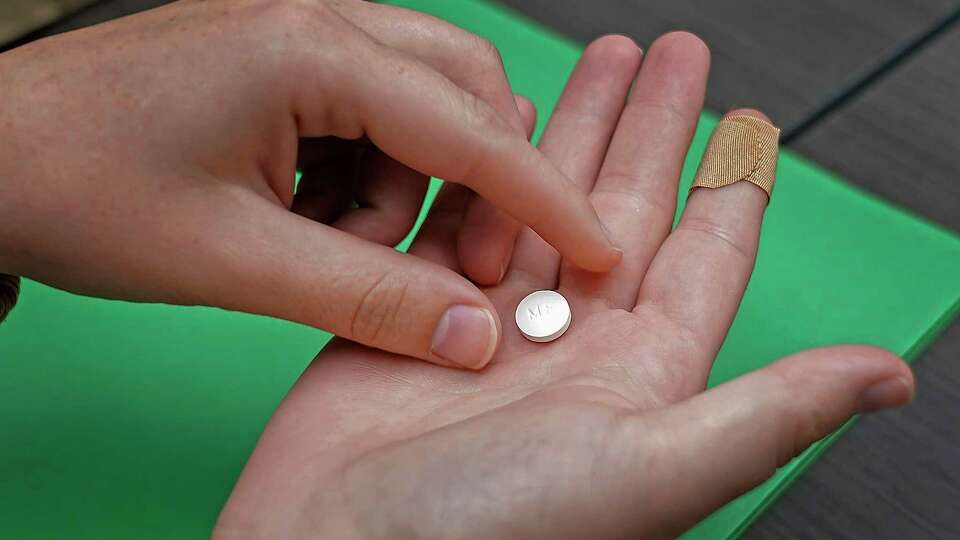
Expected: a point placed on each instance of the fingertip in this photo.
(871, 377)
(599, 263)
(599, 256)
(616, 48)
(611, 57)
(685, 41)
(885, 394)
(891, 382)
(611, 255)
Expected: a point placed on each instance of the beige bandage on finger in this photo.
(740, 148)
(9, 289)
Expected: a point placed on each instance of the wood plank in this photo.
(20, 17)
(895, 475)
(899, 139)
(781, 57)
(103, 10)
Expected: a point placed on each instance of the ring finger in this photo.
(699, 275)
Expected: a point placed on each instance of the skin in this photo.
(606, 432)
(153, 159)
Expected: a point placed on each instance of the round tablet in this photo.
(543, 316)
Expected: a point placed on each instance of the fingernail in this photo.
(885, 394)
(609, 236)
(616, 247)
(466, 336)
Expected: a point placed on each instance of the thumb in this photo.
(723, 442)
(269, 261)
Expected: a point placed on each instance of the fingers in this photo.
(259, 258)
(468, 60)
(422, 119)
(721, 443)
(699, 275)
(636, 191)
(487, 237)
(576, 139)
(389, 195)
(437, 240)
(474, 64)
(441, 237)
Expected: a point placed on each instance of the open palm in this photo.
(604, 433)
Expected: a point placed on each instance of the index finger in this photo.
(422, 119)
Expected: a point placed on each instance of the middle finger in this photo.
(636, 192)
(576, 140)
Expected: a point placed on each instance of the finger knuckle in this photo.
(295, 22)
(375, 314)
(484, 73)
(479, 117)
(722, 235)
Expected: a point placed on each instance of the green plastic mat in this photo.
(120, 420)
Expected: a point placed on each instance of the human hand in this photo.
(153, 159)
(606, 432)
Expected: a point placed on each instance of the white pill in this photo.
(543, 316)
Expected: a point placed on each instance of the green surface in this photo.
(120, 420)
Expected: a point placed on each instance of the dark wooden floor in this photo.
(895, 475)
